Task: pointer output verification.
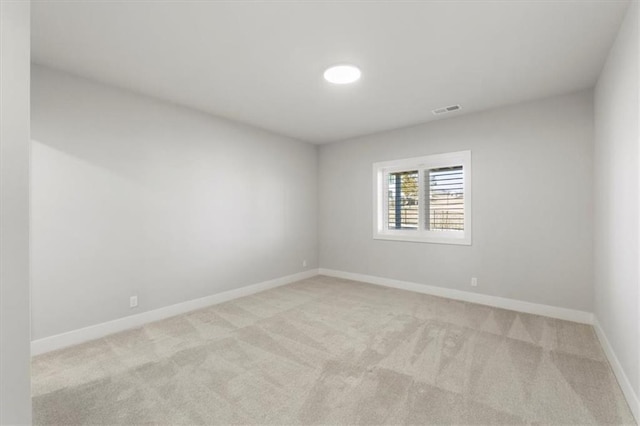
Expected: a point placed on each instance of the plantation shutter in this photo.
(402, 200)
(444, 210)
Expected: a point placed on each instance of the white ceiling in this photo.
(262, 62)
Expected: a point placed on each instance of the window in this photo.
(425, 199)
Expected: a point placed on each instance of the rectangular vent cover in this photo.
(444, 110)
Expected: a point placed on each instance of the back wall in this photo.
(531, 208)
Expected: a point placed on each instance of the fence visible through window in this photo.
(445, 198)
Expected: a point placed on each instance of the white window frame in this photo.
(382, 169)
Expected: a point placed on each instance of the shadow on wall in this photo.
(134, 196)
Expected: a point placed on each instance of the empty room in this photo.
(319, 212)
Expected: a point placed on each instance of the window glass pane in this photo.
(402, 192)
(446, 199)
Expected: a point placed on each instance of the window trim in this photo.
(383, 168)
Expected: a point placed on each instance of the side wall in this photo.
(532, 177)
(134, 196)
(617, 162)
(15, 359)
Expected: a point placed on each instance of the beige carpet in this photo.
(333, 351)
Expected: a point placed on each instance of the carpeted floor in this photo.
(332, 351)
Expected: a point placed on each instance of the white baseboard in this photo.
(97, 331)
(623, 380)
(466, 296)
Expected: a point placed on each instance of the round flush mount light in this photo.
(342, 74)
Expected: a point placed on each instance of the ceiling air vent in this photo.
(444, 110)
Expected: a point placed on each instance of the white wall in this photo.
(131, 195)
(617, 164)
(532, 176)
(15, 359)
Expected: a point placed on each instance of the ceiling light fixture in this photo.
(342, 74)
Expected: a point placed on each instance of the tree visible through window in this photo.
(403, 200)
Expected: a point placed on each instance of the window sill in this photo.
(462, 241)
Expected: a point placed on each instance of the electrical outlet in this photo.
(133, 301)
(474, 282)
(304, 263)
